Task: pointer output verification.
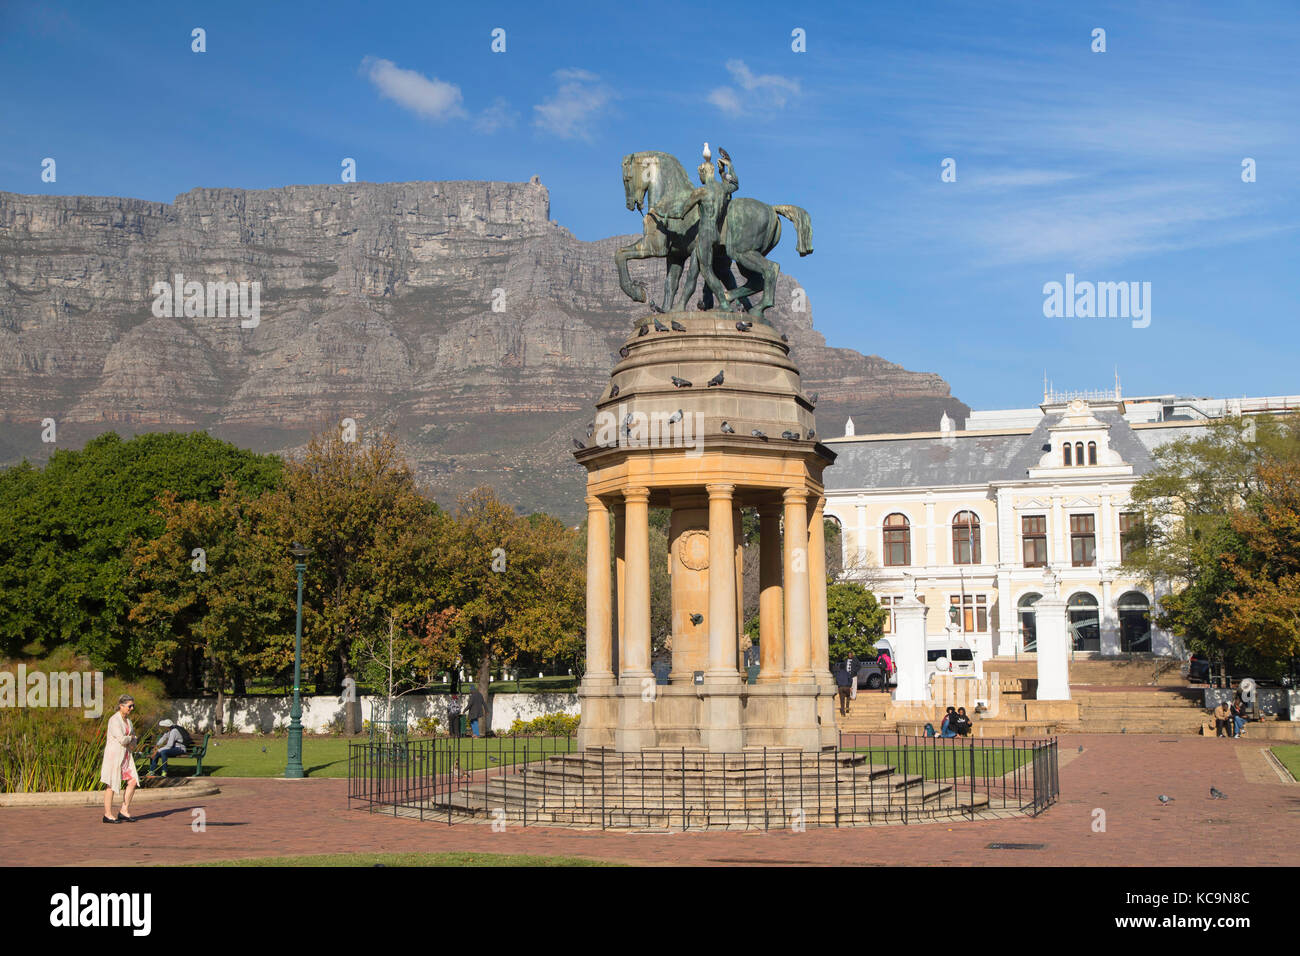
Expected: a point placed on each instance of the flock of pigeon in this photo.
(678, 382)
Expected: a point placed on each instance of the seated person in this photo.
(963, 723)
(1238, 717)
(948, 728)
(1222, 719)
(171, 744)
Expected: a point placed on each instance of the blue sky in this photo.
(1115, 166)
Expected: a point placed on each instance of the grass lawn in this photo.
(412, 859)
(328, 756)
(1289, 754)
(944, 763)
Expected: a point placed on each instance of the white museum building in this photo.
(980, 518)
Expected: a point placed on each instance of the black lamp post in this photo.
(294, 767)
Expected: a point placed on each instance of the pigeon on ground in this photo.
(742, 326)
(789, 435)
(727, 429)
(675, 417)
(645, 330)
(757, 434)
(1123, 730)
(677, 326)
(681, 382)
(1080, 748)
(716, 380)
(613, 391)
(494, 759)
(623, 353)
(697, 618)
(1217, 794)
(263, 750)
(812, 399)
(659, 326)
(578, 445)
(1165, 801)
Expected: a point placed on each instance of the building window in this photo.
(1130, 533)
(1078, 453)
(1033, 531)
(965, 538)
(1085, 624)
(1092, 453)
(975, 612)
(898, 541)
(1066, 450)
(1083, 540)
(1134, 623)
(889, 604)
(1028, 621)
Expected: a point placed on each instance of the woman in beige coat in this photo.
(118, 766)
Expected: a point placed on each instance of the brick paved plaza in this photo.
(1120, 774)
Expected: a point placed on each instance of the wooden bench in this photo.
(194, 751)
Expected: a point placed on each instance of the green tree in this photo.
(66, 532)
(855, 620)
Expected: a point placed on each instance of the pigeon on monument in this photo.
(591, 429)
(659, 326)
(578, 445)
(757, 434)
(677, 326)
(623, 352)
(785, 338)
(789, 435)
(675, 417)
(811, 434)
(812, 399)
(681, 382)
(742, 326)
(716, 380)
(727, 429)
(697, 618)
(1217, 794)
(613, 391)
(645, 330)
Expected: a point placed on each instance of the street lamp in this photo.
(294, 767)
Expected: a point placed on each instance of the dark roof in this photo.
(970, 458)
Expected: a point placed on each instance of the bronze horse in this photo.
(750, 230)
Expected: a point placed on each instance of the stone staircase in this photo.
(678, 789)
(1136, 710)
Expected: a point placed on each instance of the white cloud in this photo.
(569, 111)
(766, 90)
(497, 116)
(429, 97)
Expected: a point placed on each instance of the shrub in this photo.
(548, 725)
(427, 727)
(58, 749)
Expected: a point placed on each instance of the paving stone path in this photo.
(1121, 775)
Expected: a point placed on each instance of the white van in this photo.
(959, 659)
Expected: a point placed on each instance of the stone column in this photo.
(771, 627)
(798, 636)
(722, 586)
(1053, 648)
(620, 583)
(636, 725)
(600, 637)
(909, 651)
(738, 536)
(636, 605)
(821, 664)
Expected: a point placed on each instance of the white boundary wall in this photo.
(248, 715)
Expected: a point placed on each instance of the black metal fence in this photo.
(871, 778)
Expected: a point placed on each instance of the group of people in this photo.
(473, 710)
(846, 679)
(955, 723)
(1230, 718)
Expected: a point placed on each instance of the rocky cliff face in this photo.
(456, 315)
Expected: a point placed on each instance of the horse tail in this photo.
(802, 225)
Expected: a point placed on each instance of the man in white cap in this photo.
(171, 744)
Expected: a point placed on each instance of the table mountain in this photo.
(456, 315)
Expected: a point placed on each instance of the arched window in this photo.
(1078, 453)
(1092, 453)
(965, 538)
(1134, 622)
(898, 541)
(1066, 451)
(1028, 622)
(1085, 624)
